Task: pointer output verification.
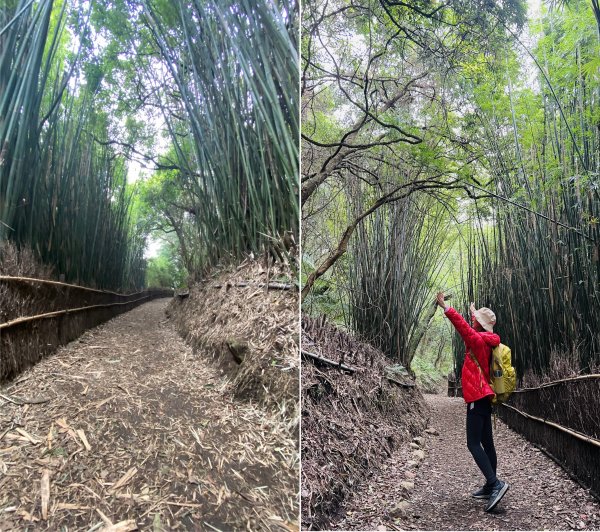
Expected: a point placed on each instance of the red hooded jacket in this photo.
(480, 343)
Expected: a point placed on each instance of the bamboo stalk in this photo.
(241, 160)
(556, 382)
(394, 258)
(327, 361)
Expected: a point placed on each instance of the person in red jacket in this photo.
(477, 393)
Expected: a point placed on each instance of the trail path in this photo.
(136, 427)
(541, 496)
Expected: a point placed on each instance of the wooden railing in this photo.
(24, 340)
(561, 419)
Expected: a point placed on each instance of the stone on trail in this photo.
(412, 463)
(418, 440)
(409, 474)
(413, 445)
(419, 455)
(400, 510)
(432, 431)
(408, 486)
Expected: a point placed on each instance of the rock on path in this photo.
(541, 496)
(138, 430)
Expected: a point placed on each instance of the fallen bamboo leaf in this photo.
(237, 474)
(124, 389)
(70, 506)
(62, 423)
(9, 449)
(104, 518)
(104, 401)
(185, 504)
(124, 479)
(48, 462)
(6, 432)
(196, 436)
(156, 523)
(82, 437)
(74, 437)
(213, 527)
(21, 401)
(122, 526)
(86, 488)
(133, 496)
(45, 493)
(28, 436)
(28, 517)
(49, 438)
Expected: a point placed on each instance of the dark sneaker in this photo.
(498, 491)
(483, 493)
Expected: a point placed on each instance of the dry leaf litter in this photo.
(426, 485)
(251, 331)
(351, 422)
(128, 428)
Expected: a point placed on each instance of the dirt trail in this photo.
(541, 497)
(136, 427)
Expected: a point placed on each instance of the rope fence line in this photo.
(573, 433)
(560, 381)
(25, 340)
(57, 313)
(25, 280)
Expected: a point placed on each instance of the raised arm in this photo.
(467, 333)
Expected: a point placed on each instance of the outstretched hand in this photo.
(440, 299)
(472, 308)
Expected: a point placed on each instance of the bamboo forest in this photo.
(89, 87)
(292, 265)
(149, 163)
(450, 157)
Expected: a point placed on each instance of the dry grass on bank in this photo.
(251, 330)
(19, 263)
(351, 422)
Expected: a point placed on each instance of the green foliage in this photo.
(232, 66)
(166, 270)
(383, 118)
(327, 298)
(528, 146)
(538, 268)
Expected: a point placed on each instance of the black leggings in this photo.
(479, 433)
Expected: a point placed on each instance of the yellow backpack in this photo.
(502, 375)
